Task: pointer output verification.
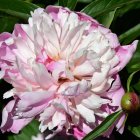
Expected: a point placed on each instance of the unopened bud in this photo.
(130, 102)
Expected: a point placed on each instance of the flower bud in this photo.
(130, 102)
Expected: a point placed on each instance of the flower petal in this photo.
(122, 51)
(86, 113)
(43, 78)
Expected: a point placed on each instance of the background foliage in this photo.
(121, 16)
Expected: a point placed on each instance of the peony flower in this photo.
(63, 67)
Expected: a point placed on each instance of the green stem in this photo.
(129, 80)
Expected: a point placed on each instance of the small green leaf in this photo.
(135, 130)
(130, 35)
(71, 4)
(17, 8)
(130, 79)
(26, 134)
(107, 19)
(101, 7)
(103, 127)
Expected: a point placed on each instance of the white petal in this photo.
(8, 94)
(58, 118)
(48, 112)
(99, 77)
(94, 101)
(86, 113)
(84, 69)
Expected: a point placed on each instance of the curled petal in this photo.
(124, 53)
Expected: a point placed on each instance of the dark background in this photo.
(119, 26)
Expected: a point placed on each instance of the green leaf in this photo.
(68, 3)
(63, 3)
(7, 23)
(124, 9)
(17, 8)
(28, 0)
(26, 134)
(103, 127)
(130, 35)
(137, 87)
(134, 63)
(102, 7)
(107, 19)
(135, 130)
(130, 79)
(85, 1)
(71, 4)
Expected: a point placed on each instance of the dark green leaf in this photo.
(134, 63)
(17, 8)
(85, 1)
(102, 7)
(68, 3)
(135, 130)
(29, 0)
(130, 35)
(103, 127)
(63, 3)
(124, 9)
(107, 19)
(71, 4)
(26, 134)
(137, 87)
(7, 23)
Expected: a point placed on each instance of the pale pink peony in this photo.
(64, 69)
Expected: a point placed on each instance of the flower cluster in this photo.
(63, 67)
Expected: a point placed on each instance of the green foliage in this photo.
(71, 4)
(106, 12)
(68, 3)
(130, 35)
(12, 11)
(85, 1)
(126, 8)
(137, 87)
(135, 130)
(7, 23)
(17, 8)
(107, 19)
(103, 127)
(63, 3)
(102, 7)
